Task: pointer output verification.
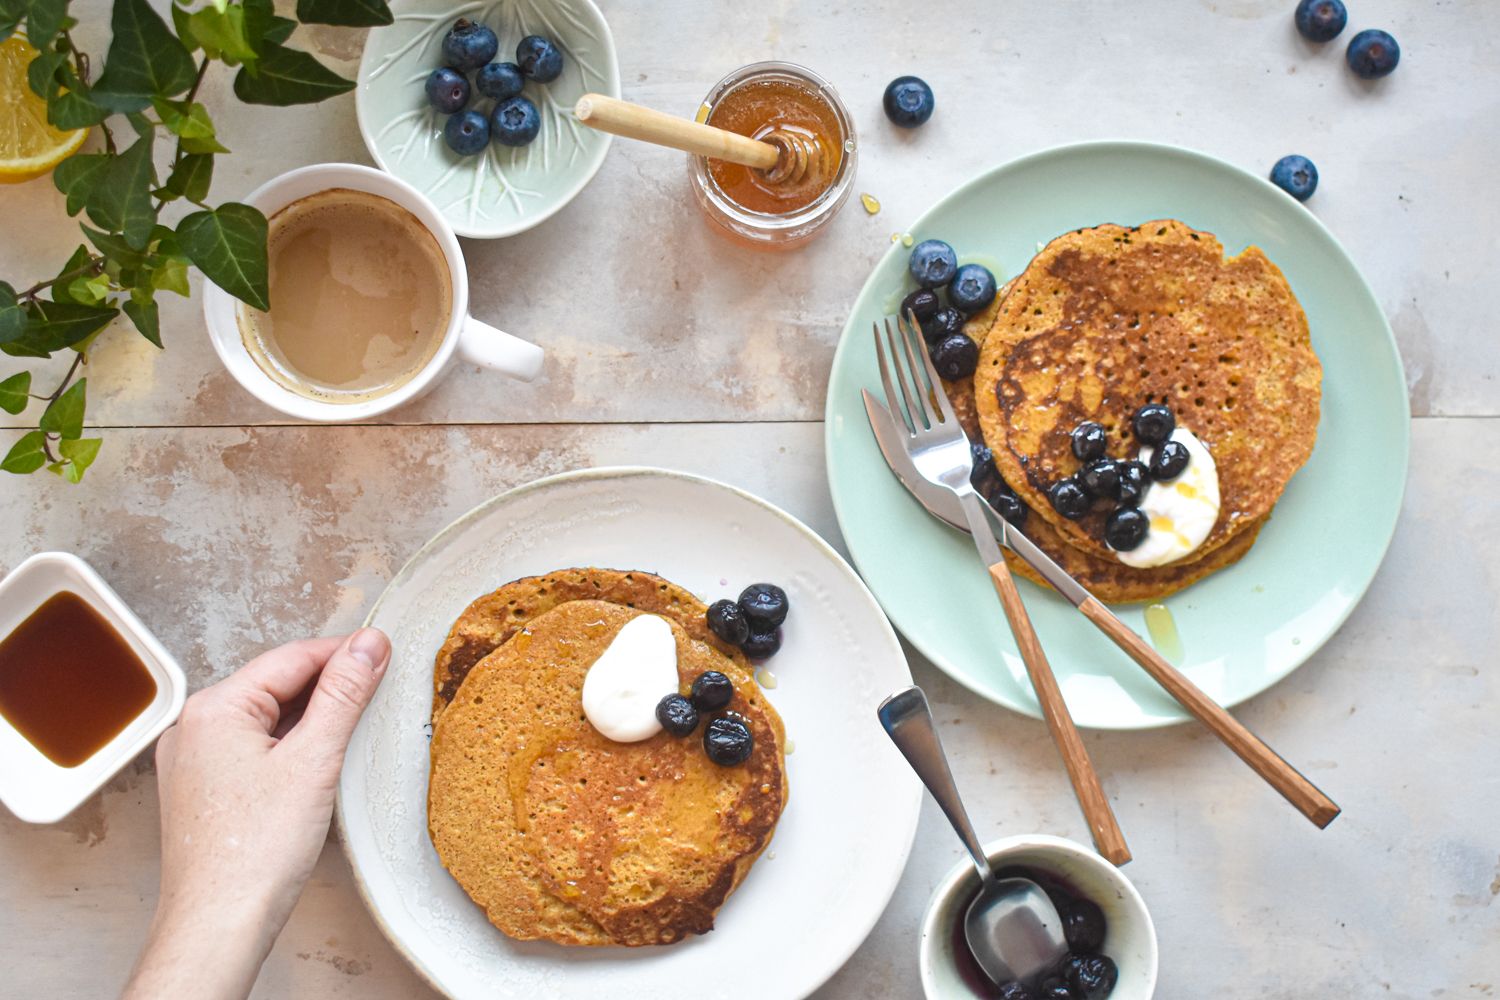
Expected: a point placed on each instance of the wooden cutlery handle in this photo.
(1281, 776)
(609, 114)
(1096, 811)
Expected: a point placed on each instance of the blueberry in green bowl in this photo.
(497, 189)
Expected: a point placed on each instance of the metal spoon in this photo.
(1012, 928)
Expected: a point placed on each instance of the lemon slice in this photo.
(29, 147)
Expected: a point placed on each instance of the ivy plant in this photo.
(158, 150)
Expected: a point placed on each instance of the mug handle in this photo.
(482, 344)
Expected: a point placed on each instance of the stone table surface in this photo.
(229, 529)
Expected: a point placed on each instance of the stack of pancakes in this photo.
(1105, 320)
(559, 833)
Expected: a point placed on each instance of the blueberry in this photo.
(447, 90)
(469, 45)
(1100, 478)
(1083, 926)
(1016, 991)
(1168, 461)
(932, 263)
(1053, 988)
(955, 357)
(924, 302)
(1320, 20)
(711, 691)
(1295, 175)
(1068, 498)
(1008, 505)
(1069, 967)
(984, 463)
(972, 289)
(945, 324)
(539, 58)
(499, 80)
(727, 741)
(677, 715)
(765, 605)
(1153, 423)
(908, 101)
(1089, 440)
(515, 121)
(727, 621)
(1125, 529)
(1134, 478)
(467, 133)
(1094, 978)
(762, 644)
(1372, 54)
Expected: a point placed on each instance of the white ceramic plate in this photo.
(501, 191)
(847, 830)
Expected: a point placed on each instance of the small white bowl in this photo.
(31, 786)
(1130, 939)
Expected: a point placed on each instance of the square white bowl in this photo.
(31, 786)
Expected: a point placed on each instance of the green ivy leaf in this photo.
(122, 201)
(190, 123)
(229, 246)
(75, 108)
(77, 177)
(171, 276)
(80, 259)
(120, 253)
(51, 326)
(221, 34)
(284, 76)
(145, 59)
(12, 316)
(80, 454)
(182, 23)
(14, 392)
(41, 72)
(11, 14)
(64, 415)
(279, 30)
(144, 316)
(349, 13)
(44, 19)
(86, 290)
(190, 178)
(26, 455)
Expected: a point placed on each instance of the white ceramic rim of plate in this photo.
(833, 962)
(1305, 650)
(529, 220)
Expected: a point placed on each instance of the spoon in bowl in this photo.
(1012, 928)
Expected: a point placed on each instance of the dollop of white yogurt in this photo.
(1182, 511)
(637, 670)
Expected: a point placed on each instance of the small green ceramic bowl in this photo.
(502, 191)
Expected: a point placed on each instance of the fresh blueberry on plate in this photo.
(1168, 461)
(908, 101)
(1372, 54)
(765, 606)
(932, 263)
(727, 621)
(984, 460)
(447, 90)
(761, 645)
(539, 58)
(1320, 20)
(1089, 440)
(1068, 498)
(469, 45)
(515, 121)
(972, 288)
(499, 80)
(944, 323)
(1053, 988)
(955, 357)
(923, 303)
(467, 133)
(1125, 529)
(1008, 505)
(727, 741)
(1134, 478)
(1153, 423)
(711, 691)
(1094, 978)
(677, 715)
(1101, 478)
(1295, 175)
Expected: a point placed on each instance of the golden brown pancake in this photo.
(495, 617)
(1104, 320)
(561, 834)
(1107, 579)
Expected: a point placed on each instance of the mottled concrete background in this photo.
(228, 530)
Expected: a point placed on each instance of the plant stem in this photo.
(91, 266)
(68, 378)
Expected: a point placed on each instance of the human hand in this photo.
(247, 779)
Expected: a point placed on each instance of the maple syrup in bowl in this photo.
(793, 108)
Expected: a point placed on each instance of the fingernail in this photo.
(369, 646)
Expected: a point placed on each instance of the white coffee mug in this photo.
(476, 342)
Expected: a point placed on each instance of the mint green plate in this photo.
(1243, 628)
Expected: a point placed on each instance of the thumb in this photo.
(344, 688)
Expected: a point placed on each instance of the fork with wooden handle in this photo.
(940, 450)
